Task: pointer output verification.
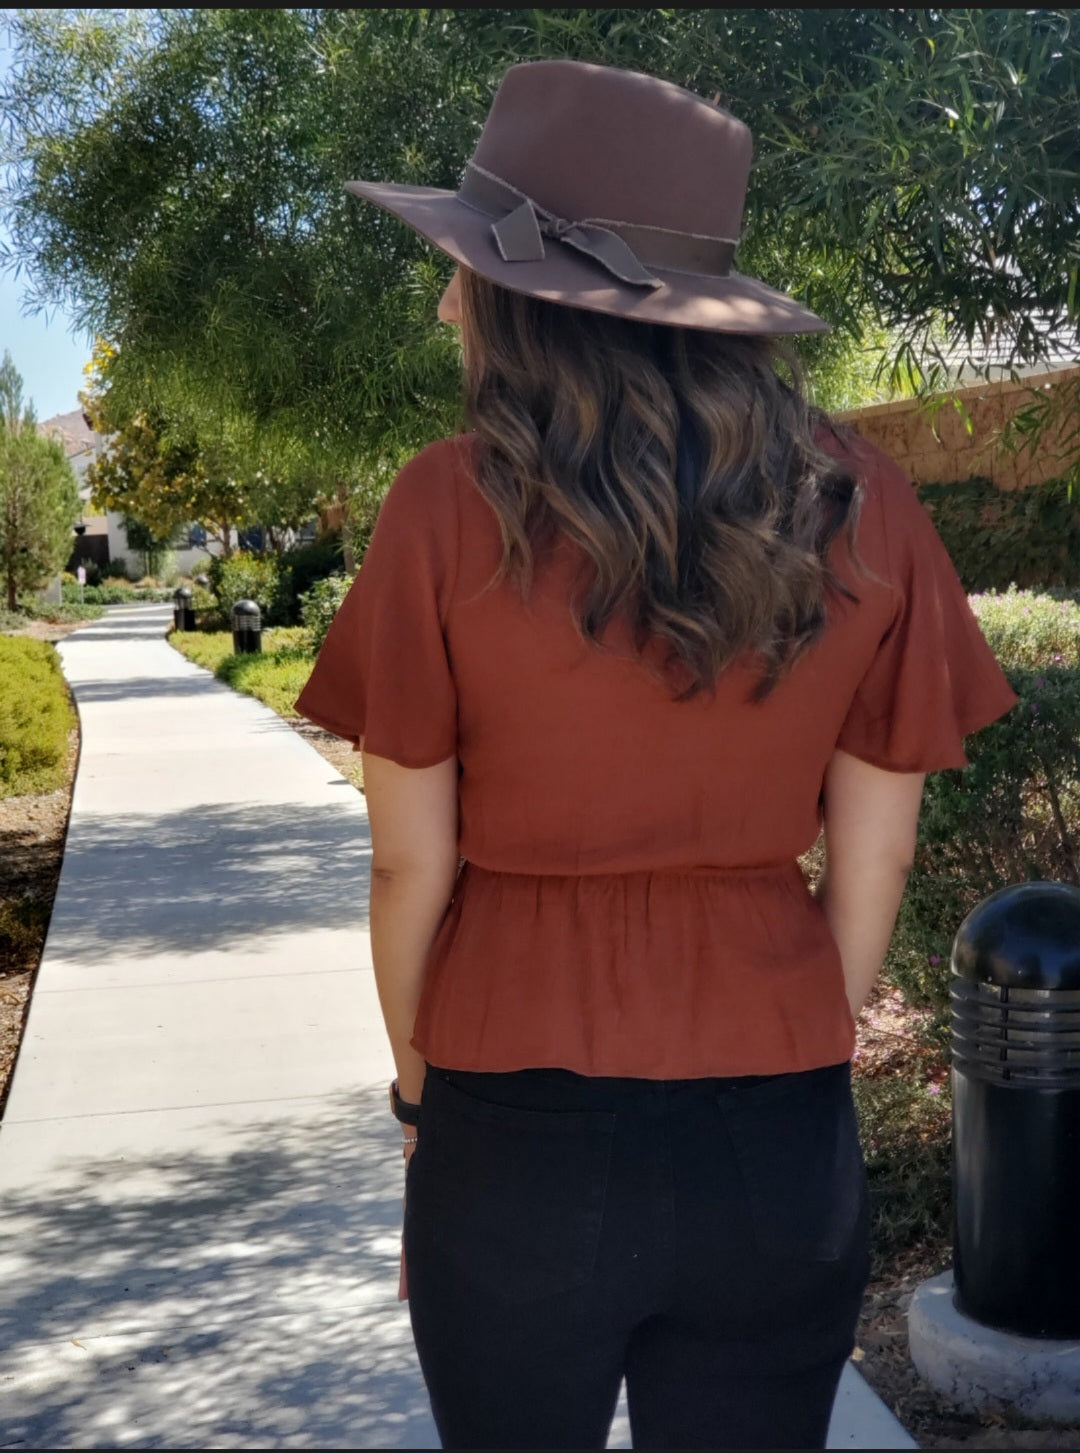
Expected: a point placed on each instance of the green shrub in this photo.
(1031, 628)
(1027, 537)
(1014, 813)
(116, 570)
(309, 563)
(117, 592)
(320, 605)
(65, 614)
(208, 615)
(35, 717)
(261, 578)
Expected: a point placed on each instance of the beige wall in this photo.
(906, 431)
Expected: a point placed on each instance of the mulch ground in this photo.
(32, 833)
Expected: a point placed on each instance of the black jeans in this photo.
(705, 1239)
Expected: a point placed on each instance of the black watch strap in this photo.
(404, 1111)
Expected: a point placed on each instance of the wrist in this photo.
(404, 1110)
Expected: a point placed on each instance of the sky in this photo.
(42, 346)
(44, 350)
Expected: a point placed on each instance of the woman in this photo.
(625, 648)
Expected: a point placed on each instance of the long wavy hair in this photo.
(681, 461)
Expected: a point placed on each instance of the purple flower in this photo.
(935, 960)
(933, 1089)
(1035, 709)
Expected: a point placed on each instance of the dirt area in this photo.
(31, 841)
(47, 630)
(32, 831)
(337, 752)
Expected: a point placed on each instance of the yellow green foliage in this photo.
(35, 717)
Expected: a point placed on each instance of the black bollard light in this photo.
(246, 628)
(183, 609)
(1015, 989)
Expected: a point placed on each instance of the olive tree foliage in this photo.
(39, 495)
(916, 165)
(176, 179)
(175, 176)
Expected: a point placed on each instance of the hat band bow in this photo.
(520, 225)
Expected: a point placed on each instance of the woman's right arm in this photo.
(871, 819)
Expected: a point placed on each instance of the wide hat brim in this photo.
(731, 304)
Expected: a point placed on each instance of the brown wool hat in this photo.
(607, 190)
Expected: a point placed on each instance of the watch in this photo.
(404, 1111)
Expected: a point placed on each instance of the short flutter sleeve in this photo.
(383, 677)
(932, 680)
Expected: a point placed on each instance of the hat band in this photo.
(626, 249)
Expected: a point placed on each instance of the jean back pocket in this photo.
(796, 1143)
(506, 1202)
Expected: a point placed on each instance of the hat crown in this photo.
(592, 141)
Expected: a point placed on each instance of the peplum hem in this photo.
(656, 975)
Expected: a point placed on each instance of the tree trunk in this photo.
(348, 554)
(12, 601)
(226, 539)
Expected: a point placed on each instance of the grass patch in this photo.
(275, 677)
(36, 716)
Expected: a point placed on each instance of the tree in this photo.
(161, 474)
(39, 495)
(175, 176)
(207, 231)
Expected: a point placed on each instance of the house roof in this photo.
(994, 357)
(73, 431)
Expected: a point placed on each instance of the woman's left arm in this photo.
(414, 865)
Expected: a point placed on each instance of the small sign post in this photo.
(80, 576)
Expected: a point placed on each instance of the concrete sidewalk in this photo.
(201, 1182)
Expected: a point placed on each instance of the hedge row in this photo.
(1026, 537)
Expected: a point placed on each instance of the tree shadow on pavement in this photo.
(239, 1296)
(93, 693)
(222, 877)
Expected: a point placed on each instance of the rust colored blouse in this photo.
(630, 902)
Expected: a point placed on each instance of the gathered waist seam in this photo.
(763, 870)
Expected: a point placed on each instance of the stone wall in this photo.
(939, 450)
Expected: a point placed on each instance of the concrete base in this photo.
(975, 1366)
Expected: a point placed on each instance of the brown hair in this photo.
(680, 460)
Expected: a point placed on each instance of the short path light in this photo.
(1005, 1324)
(183, 609)
(246, 628)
